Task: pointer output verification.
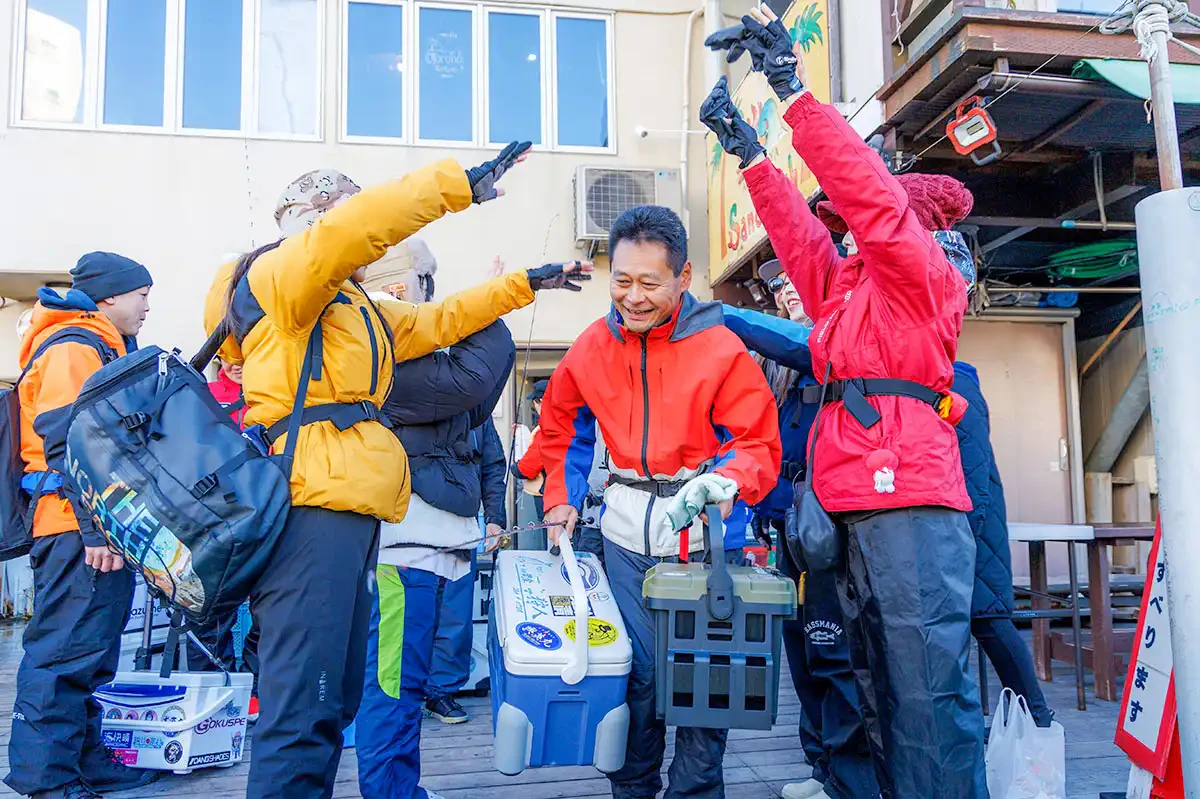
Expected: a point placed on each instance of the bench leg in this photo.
(1100, 600)
(1042, 658)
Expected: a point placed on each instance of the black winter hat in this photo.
(539, 390)
(101, 275)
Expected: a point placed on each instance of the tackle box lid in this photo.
(688, 582)
(535, 615)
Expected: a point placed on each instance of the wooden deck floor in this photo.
(457, 759)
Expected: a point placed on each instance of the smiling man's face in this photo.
(644, 289)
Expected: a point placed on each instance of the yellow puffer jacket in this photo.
(363, 469)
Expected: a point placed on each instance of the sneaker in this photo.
(809, 789)
(252, 710)
(447, 710)
(74, 790)
(104, 771)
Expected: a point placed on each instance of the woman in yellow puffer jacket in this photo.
(313, 603)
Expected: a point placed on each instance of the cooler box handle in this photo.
(171, 726)
(577, 661)
(720, 582)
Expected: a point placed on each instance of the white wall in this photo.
(179, 204)
(861, 39)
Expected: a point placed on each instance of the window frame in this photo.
(95, 45)
(609, 21)
(480, 51)
(406, 127)
(543, 69)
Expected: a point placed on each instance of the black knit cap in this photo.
(101, 275)
(539, 390)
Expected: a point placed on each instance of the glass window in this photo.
(135, 44)
(514, 78)
(446, 69)
(55, 45)
(581, 46)
(375, 70)
(1089, 6)
(212, 65)
(288, 67)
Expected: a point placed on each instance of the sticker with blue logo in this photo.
(117, 739)
(539, 636)
(591, 577)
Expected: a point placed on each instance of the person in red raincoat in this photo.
(886, 466)
(227, 390)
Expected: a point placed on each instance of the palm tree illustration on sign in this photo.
(807, 28)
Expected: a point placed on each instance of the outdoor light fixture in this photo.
(971, 129)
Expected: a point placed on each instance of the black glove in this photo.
(721, 116)
(733, 39)
(483, 178)
(770, 48)
(552, 276)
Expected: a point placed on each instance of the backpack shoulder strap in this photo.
(313, 359)
(72, 333)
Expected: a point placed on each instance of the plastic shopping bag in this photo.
(1024, 761)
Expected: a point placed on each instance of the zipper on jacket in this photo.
(649, 513)
(374, 350)
(646, 432)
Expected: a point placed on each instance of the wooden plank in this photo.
(1131, 503)
(1098, 494)
(1100, 602)
(1145, 470)
(1041, 627)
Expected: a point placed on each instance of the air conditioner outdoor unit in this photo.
(604, 193)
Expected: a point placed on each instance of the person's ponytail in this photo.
(232, 321)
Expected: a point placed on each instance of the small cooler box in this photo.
(719, 632)
(556, 700)
(178, 723)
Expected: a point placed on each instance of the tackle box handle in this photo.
(720, 581)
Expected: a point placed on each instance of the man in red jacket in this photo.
(887, 462)
(678, 399)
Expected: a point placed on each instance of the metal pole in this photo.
(714, 61)
(1162, 98)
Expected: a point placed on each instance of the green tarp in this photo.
(1134, 77)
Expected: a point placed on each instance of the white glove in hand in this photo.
(697, 493)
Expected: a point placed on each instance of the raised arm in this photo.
(801, 242)
(295, 281)
(898, 252)
(781, 340)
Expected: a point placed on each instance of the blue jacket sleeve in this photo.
(494, 472)
(975, 447)
(781, 340)
(462, 379)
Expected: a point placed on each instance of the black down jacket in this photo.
(436, 403)
(993, 595)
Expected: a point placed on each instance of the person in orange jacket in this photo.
(81, 592)
(683, 408)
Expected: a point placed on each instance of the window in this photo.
(375, 70)
(581, 59)
(135, 46)
(56, 33)
(289, 55)
(514, 77)
(475, 74)
(219, 67)
(212, 65)
(447, 74)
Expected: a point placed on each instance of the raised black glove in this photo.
(770, 48)
(721, 116)
(483, 178)
(554, 276)
(732, 39)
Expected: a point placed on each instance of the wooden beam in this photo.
(1067, 124)
(1108, 341)
(1098, 493)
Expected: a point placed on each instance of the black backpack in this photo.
(16, 505)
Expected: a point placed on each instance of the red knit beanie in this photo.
(939, 201)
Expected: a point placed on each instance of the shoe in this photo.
(105, 772)
(252, 710)
(74, 790)
(809, 789)
(447, 710)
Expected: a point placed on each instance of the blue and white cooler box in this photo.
(558, 699)
(180, 723)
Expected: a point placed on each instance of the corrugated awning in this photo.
(1133, 77)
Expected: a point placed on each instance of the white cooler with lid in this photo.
(557, 699)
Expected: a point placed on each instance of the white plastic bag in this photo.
(1024, 761)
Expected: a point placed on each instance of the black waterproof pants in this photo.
(72, 645)
(313, 604)
(819, 658)
(905, 583)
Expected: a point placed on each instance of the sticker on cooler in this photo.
(565, 606)
(538, 635)
(600, 632)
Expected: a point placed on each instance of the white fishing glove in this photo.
(697, 493)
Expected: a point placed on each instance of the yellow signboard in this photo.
(734, 229)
